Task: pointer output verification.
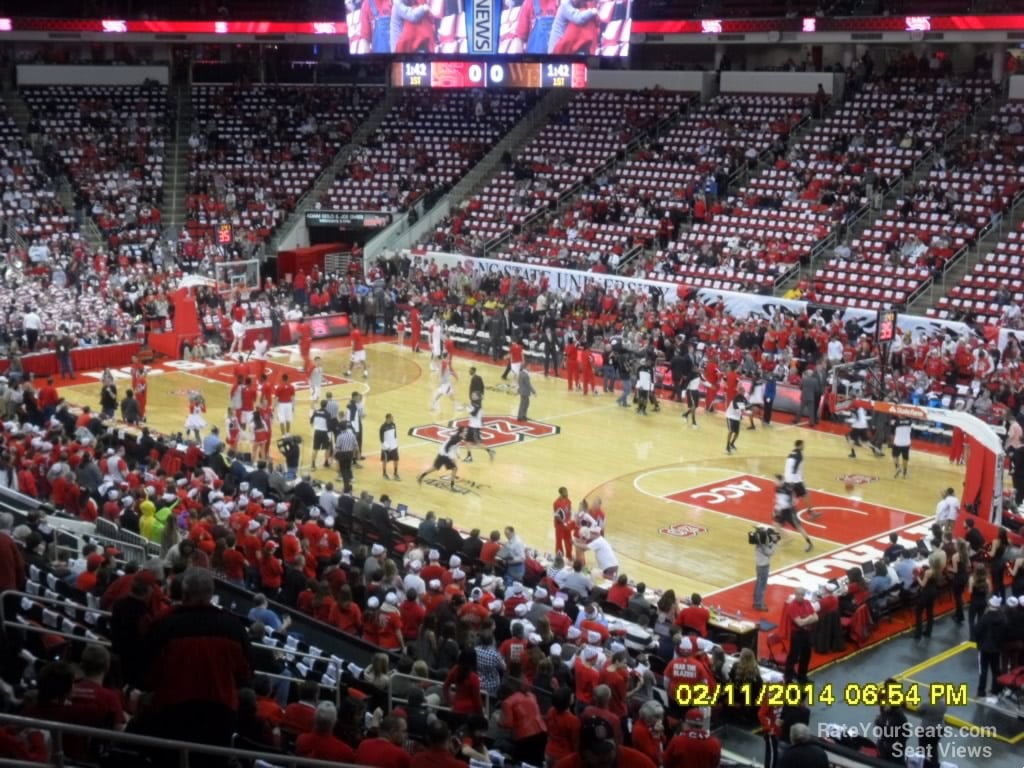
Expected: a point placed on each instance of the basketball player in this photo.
(285, 395)
(316, 380)
(476, 423)
(858, 433)
(644, 385)
(358, 356)
(733, 418)
(901, 436)
(445, 458)
(389, 446)
(446, 387)
(320, 422)
(693, 399)
(436, 342)
(785, 510)
(793, 475)
(561, 510)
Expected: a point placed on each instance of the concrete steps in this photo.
(176, 160)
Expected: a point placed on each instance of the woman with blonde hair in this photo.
(928, 582)
(979, 594)
(378, 674)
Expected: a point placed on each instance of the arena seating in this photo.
(978, 293)
(260, 148)
(427, 142)
(111, 140)
(575, 146)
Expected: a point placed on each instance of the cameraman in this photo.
(289, 448)
(765, 541)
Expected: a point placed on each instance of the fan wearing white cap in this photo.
(413, 580)
(384, 629)
(558, 619)
(694, 746)
(686, 670)
(989, 635)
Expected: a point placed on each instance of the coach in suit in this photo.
(526, 391)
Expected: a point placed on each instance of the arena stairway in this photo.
(287, 234)
(176, 159)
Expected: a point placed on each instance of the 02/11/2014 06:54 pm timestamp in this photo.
(791, 694)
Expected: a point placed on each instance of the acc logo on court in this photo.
(496, 431)
(683, 530)
(857, 479)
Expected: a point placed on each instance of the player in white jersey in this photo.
(858, 433)
(733, 418)
(446, 386)
(947, 510)
(476, 423)
(389, 446)
(259, 348)
(784, 512)
(793, 475)
(316, 380)
(436, 341)
(901, 437)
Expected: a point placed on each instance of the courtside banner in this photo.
(741, 305)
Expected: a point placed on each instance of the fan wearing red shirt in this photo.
(271, 570)
(687, 670)
(300, 716)
(694, 747)
(558, 619)
(88, 691)
(648, 731)
(321, 743)
(489, 550)
(285, 394)
(412, 614)
(437, 754)
(620, 592)
(563, 727)
(597, 747)
(694, 616)
(562, 512)
(587, 676)
(386, 750)
(462, 686)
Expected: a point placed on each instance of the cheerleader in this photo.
(234, 430)
(260, 435)
(755, 400)
(195, 422)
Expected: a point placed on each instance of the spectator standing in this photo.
(12, 565)
(65, 343)
(213, 646)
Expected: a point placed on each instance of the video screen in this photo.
(489, 27)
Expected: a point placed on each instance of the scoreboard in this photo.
(488, 74)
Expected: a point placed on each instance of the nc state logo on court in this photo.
(497, 431)
(683, 530)
(855, 479)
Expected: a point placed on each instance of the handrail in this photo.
(436, 683)
(182, 748)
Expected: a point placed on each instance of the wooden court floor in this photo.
(678, 506)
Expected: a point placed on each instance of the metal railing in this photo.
(415, 680)
(183, 749)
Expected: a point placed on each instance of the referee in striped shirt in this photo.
(345, 451)
(333, 408)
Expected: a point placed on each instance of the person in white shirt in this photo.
(733, 418)
(835, 352)
(793, 475)
(31, 324)
(947, 510)
(259, 348)
(389, 446)
(237, 337)
(901, 435)
(858, 433)
(603, 553)
(413, 580)
(784, 512)
(316, 380)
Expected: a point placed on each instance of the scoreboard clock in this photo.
(489, 74)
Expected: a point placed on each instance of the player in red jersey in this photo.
(415, 328)
(285, 394)
(140, 386)
(571, 362)
(562, 511)
(358, 356)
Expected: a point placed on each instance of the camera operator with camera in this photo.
(765, 541)
(289, 448)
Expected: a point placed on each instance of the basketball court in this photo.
(678, 506)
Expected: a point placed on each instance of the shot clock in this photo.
(488, 74)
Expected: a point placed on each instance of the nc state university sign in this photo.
(496, 431)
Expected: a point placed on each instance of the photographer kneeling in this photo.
(764, 540)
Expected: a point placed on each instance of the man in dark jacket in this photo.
(804, 753)
(989, 635)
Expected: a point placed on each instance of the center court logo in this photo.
(496, 432)
(683, 530)
(855, 479)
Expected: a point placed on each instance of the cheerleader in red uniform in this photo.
(140, 388)
(234, 430)
(261, 435)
